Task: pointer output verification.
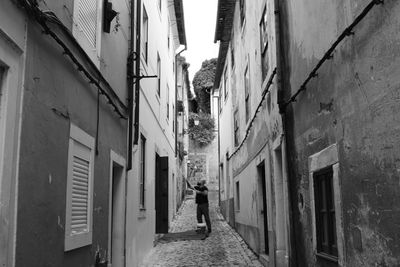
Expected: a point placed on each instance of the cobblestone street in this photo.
(224, 247)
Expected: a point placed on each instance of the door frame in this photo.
(119, 160)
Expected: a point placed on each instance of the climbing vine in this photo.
(203, 133)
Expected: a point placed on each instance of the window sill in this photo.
(327, 257)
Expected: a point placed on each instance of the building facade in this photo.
(76, 189)
(154, 177)
(66, 130)
(253, 180)
(307, 94)
(341, 130)
(182, 124)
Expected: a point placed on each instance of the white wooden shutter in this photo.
(80, 195)
(87, 19)
(87, 27)
(79, 200)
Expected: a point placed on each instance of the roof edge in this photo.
(180, 21)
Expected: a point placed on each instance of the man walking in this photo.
(202, 204)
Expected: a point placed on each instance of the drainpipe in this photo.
(219, 154)
(137, 71)
(176, 96)
(131, 78)
(285, 153)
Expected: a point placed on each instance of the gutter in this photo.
(130, 77)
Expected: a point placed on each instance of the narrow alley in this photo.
(223, 247)
(123, 121)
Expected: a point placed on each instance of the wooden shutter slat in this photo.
(87, 19)
(80, 195)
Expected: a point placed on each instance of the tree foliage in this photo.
(203, 82)
(203, 133)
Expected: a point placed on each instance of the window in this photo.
(236, 126)
(86, 27)
(232, 55)
(264, 44)
(220, 103)
(237, 196)
(222, 178)
(169, 34)
(167, 102)
(145, 35)
(158, 75)
(78, 219)
(242, 12)
(225, 85)
(142, 186)
(247, 93)
(325, 212)
(173, 118)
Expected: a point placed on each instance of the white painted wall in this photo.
(157, 129)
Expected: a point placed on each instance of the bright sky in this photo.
(200, 18)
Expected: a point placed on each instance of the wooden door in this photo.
(161, 194)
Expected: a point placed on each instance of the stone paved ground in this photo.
(224, 247)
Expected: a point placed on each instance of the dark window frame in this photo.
(145, 34)
(158, 74)
(237, 196)
(242, 6)
(247, 93)
(225, 85)
(236, 127)
(232, 55)
(264, 44)
(142, 186)
(167, 102)
(325, 219)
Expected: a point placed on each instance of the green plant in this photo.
(203, 133)
(203, 83)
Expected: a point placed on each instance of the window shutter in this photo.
(80, 195)
(87, 19)
(79, 198)
(86, 27)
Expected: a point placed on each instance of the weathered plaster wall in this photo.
(354, 103)
(12, 61)
(114, 46)
(55, 96)
(264, 130)
(206, 161)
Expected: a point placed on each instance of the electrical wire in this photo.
(329, 54)
(47, 16)
(270, 81)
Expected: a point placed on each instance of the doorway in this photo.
(264, 211)
(117, 213)
(161, 194)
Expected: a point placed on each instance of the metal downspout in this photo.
(279, 48)
(131, 75)
(137, 70)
